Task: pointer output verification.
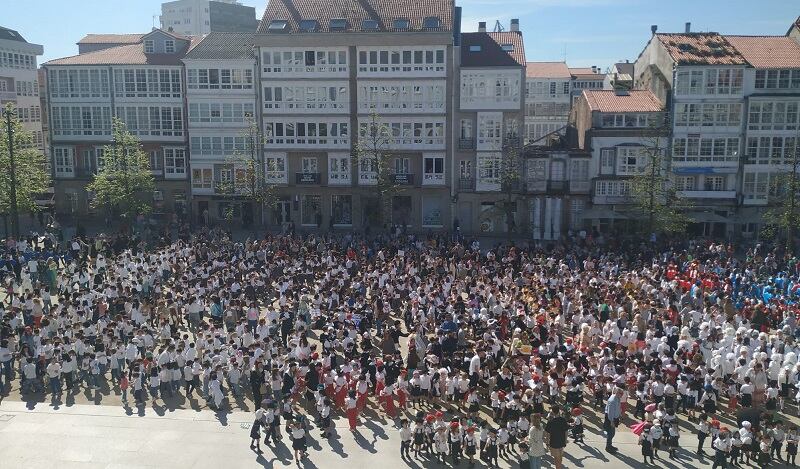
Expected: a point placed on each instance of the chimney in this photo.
(482, 27)
(595, 69)
(514, 24)
(653, 29)
(688, 27)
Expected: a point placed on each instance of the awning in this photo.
(602, 212)
(708, 217)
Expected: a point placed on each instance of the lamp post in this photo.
(8, 113)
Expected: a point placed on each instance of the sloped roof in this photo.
(629, 101)
(224, 46)
(11, 35)
(768, 51)
(111, 38)
(586, 73)
(547, 70)
(356, 11)
(129, 54)
(491, 53)
(700, 49)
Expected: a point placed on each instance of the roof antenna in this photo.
(498, 27)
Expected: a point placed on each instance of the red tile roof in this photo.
(492, 52)
(768, 51)
(547, 70)
(356, 11)
(700, 49)
(111, 39)
(630, 101)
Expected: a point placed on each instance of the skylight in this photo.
(508, 47)
(431, 22)
(402, 23)
(338, 24)
(369, 25)
(278, 26)
(474, 48)
(308, 26)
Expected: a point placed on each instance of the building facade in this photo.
(196, 17)
(732, 102)
(617, 128)
(19, 81)
(490, 119)
(548, 100)
(222, 101)
(142, 84)
(326, 79)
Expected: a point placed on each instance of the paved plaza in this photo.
(111, 437)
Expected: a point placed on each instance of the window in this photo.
(338, 24)
(339, 169)
(311, 210)
(342, 210)
(402, 166)
(149, 46)
(369, 25)
(202, 178)
(771, 150)
(714, 183)
(156, 161)
(465, 170)
(169, 46)
(685, 183)
(278, 26)
(694, 149)
(431, 22)
(432, 212)
(607, 159)
(778, 79)
(310, 164)
(433, 170)
(579, 170)
(308, 26)
(756, 186)
(630, 160)
(474, 48)
(466, 129)
(489, 170)
(510, 48)
(64, 161)
(401, 23)
(174, 163)
(276, 168)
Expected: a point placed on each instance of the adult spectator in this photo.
(612, 414)
(556, 430)
(536, 442)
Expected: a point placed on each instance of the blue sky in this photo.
(589, 32)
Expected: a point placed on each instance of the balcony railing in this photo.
(466, 143)
(307, 178)
(403, 179)
(85, 173)
(466, 184)
(8, 96)
(433, 179)
(707, 194)
(536, 185)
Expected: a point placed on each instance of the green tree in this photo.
(124, 183)
(250, 179)
(653, 193)
(24, 178)
(373, 154)
(510, 172)
(783, 217)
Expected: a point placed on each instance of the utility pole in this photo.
(9, 113)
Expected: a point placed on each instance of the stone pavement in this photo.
(102, 436)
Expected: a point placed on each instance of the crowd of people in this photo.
(475, 353)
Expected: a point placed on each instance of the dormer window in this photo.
(369, 25)
(431, 22)
(149, 47)
(169, 46)
(278, 26)
(338, 24)
(402, 23)
(309, 26)
(474, 48)
(508, 47)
